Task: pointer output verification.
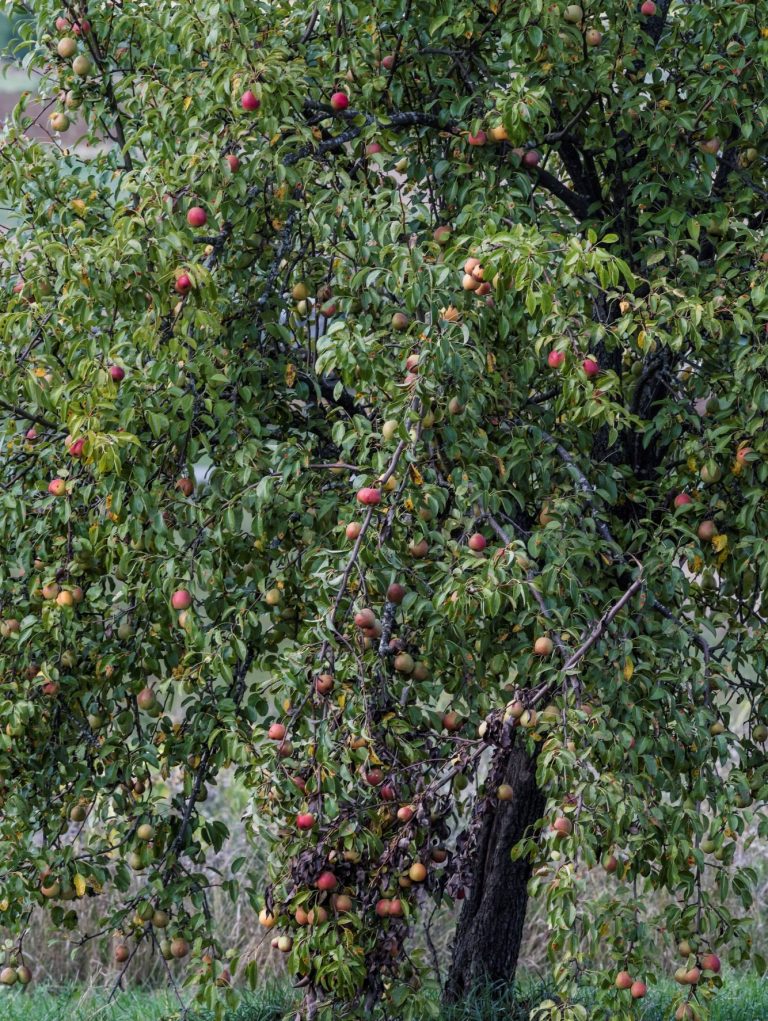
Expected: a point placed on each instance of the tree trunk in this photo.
(490, 928)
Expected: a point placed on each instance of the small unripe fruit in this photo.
(145, 832)
(417, 873)
(81, 66)
(66, 48)
(404, 663)
(505, 792)
(400, 321)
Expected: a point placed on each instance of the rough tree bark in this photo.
(490, 928)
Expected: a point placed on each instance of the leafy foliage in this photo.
(192, 403)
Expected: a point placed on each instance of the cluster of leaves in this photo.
(192, 403)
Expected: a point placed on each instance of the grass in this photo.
(743, 998)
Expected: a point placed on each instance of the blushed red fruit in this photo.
(405, 813)
(368, 496)
(531, 158)
(452, 722)
(276, 732)
(234, 162)
(555, 359)
(706, 531)
(183, 283)
(117, 373)
(181, 599)
(324, 684)
(387, 792)
(326, 881)
(396, 908)
(388, 62)
(146, 698)
(562, 826)
(396, 593)
(250, 101)
(197, 217)
(305, 820)
(81, 27)
(365, 618)
(638, 990)
(648, 8)
(31, 434)
(374, 777)
(57, 487)
(76, 449)
(591, 367)
(339, 101)
(186, 486)
(711, 962)
(382, 908)
(623, 980)
(353, 529)
(62, 25)
(682, 500)
(372, 149)
(477, 542)
(479, 139)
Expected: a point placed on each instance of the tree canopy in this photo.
(384, 383)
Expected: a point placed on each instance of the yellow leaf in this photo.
(641, 339)
(78, 882)
(691, 463)
(490, 361)
(720, 543)
(697, 565)
(629, 669)
(418, 479)
(290, 374)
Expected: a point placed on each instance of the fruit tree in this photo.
(383, 390)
